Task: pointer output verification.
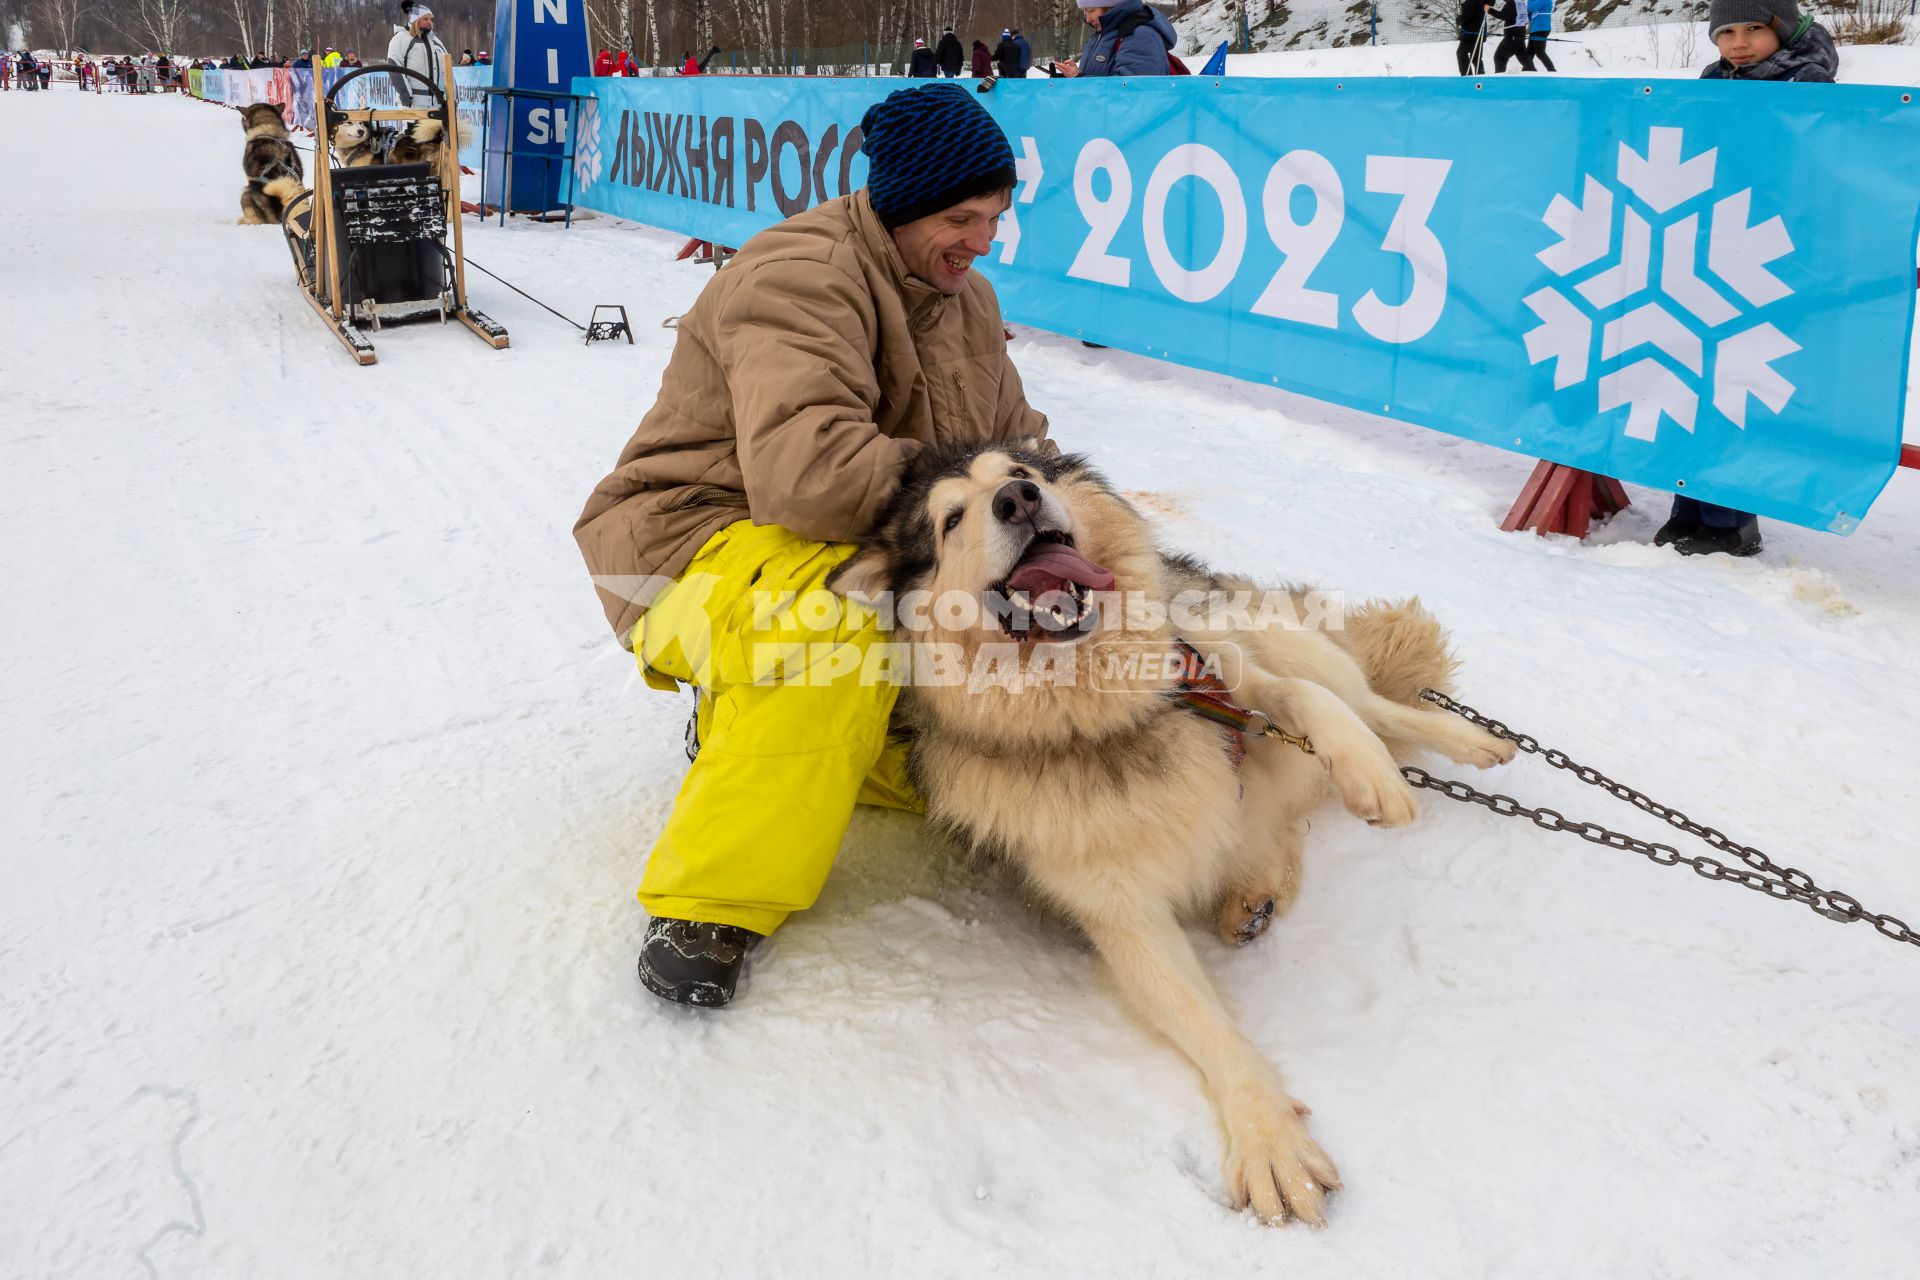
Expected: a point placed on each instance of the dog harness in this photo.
(1204, 693)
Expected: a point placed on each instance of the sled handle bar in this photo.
(384, 68)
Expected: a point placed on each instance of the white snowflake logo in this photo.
(586, 160)
(1613, 297)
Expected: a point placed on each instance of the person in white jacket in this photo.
(417, 48)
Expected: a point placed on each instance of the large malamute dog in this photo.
(272, 166)
(1080, 763)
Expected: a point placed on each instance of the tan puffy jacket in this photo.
(809, 370)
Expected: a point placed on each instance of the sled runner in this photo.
(369, 241)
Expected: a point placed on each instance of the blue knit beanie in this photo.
(930, 148)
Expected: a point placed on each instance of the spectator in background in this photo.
(44, 68)
(1006, 57)
(466, 58)
(484, 58)
(1129, 38)
(982, 59)
(349, 60)
(333, 58)
(689, 65)
(1026, 51)
(922, 66)
(624, 65)
(418, 48)
(602, 65)
(304, 62)
(1539, 24)
(949, 54)
(163, 68)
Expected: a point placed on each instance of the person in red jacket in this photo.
(624, 65)
(690, 66)
(603, 65)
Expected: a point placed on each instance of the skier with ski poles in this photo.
(1539, 23)
(1513, 36)
(1473, 31)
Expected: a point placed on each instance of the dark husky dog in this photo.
(1072, 753)
(272, 166)
(418, 143)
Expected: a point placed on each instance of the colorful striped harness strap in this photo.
(1202, 691)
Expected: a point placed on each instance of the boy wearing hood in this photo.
(1758, 40)
(1769, 40)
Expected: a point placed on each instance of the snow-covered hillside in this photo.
(1671, 49)
(1617, 34)
(328, 791)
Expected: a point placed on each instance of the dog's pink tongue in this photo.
(1056, 563)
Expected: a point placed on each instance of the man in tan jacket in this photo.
(831, 349)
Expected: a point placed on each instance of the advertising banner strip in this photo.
(1703, 287)
(293, 88)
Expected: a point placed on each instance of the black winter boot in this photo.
(1741, 540)
(1681, 524)
(690, 962)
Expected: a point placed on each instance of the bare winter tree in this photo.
(298, 23)
(243, 24)
(61, 20)
(151, 24)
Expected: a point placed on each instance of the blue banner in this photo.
(1696, 286)
(541, 45)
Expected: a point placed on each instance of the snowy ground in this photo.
(329, 791)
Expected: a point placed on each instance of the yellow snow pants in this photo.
(793, 728)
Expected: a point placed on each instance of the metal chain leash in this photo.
(1766, 876)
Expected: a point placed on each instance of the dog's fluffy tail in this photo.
(1401, 648)
(285, 190)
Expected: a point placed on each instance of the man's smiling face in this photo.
(940, 248)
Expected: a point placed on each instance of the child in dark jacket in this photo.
(1758, 40)
(1769, 40)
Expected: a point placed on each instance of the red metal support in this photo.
(1559, 499)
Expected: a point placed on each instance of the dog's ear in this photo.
(862, 577)
(279, 109)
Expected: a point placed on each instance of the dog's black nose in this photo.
(1017, 502)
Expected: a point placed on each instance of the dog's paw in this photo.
(1275, 1168)
(1469, 744)
(1493, 751)
(1244, 917)
(1374, 792)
